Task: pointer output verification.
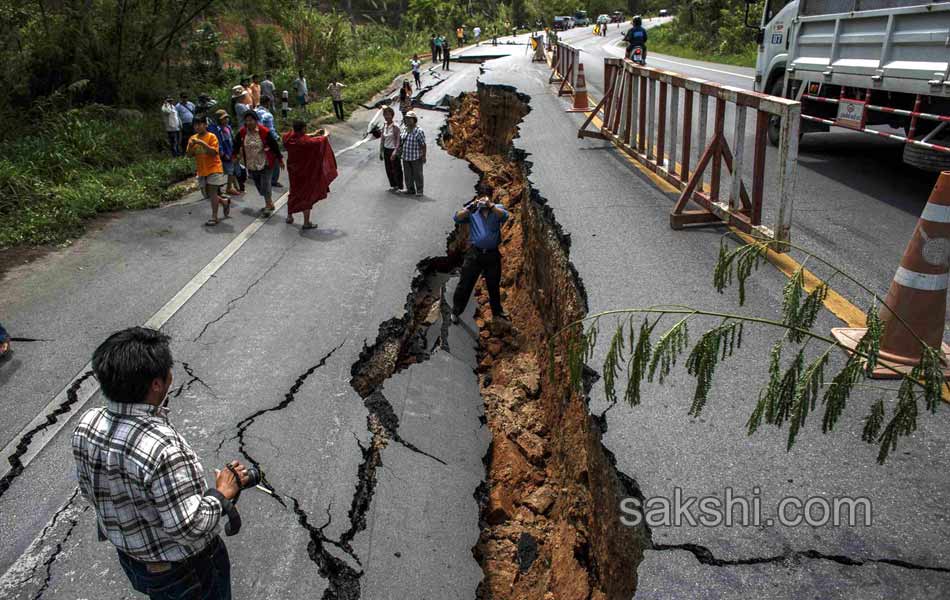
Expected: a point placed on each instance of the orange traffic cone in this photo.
(580, 92)
(918, 293)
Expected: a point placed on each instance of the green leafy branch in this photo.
(791, 392)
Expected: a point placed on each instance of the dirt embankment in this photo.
(550, 504)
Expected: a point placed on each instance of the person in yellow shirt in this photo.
(203, 145)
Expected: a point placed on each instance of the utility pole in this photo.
(349, 12)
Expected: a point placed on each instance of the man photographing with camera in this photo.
(484, 220)
(145, 481)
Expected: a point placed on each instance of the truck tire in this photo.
(926, 159)
(775, 123)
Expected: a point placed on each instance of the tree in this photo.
(793, 388)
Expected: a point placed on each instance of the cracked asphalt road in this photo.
(286, 300)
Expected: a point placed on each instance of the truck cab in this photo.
(880, 68)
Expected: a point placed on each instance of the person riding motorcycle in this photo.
(636, 37)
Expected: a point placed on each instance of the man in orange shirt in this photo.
(204, 147)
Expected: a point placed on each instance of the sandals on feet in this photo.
(227, 208)
(211, 222)
(309, 226)
(289, 220)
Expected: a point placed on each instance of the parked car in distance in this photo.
(580, 19)
(562, 23)
(616, 16)
(664, 12)
(603, 20)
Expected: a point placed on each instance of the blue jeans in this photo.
(275, 176)
(205, 576)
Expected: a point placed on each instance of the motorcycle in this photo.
(638, 55)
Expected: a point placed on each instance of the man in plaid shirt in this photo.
(412, 149)
(145, 481)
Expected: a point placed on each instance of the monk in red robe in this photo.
(311, 166)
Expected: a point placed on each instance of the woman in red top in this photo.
(258, 149)
(311, 167)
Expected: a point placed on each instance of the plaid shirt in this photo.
(144, 481)
(412, 143)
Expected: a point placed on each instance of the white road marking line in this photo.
(90, 386)
(655, 57)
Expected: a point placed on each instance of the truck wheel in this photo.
(926, 159)
(775, 123)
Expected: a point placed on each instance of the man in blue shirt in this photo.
(186, 114)
(636, 36)
(484, 220)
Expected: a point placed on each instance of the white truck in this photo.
(881, 67)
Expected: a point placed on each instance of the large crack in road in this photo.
(550, 504)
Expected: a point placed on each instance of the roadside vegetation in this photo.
(709, 30)
(84, 81)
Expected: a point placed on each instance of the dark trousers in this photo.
(393, 168)
(275, 177)
(479, 263)
(205, 576)
(418, 78)
(174, 142)
(187, 130)
(338, 109)
(446, 58)
(412, 173)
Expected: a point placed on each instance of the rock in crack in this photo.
(26, 439)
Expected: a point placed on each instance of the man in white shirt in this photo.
(172, 126)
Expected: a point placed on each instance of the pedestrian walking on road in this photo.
(439, 43)
(144, 481)
(484, 220)
(225, 135)
(266, 118)
(336, 93)
(255, 90)
(460, 35)
(285, 104)
(203, 145)
(239, 102)
(477, 32)
(259, 151)
(405, 99)
(432, 52)
(389, 149)
(172, 126)
(446, 54)
(412, 150)
(186, 114)
(267, 89)
(300, 89)
(416, 70)
(311, 167)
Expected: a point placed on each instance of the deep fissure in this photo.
(549, 506)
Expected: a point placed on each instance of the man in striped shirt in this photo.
(145, 481)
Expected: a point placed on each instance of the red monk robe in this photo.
(311, 166)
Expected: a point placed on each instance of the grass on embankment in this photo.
(664, 39)
(78, 163)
